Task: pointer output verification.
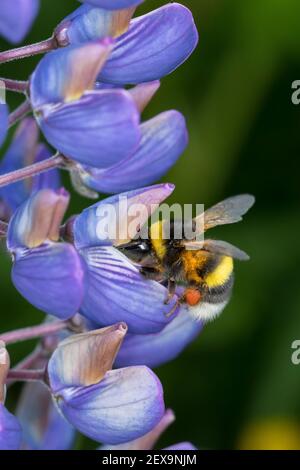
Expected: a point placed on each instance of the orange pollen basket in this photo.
(192, 296)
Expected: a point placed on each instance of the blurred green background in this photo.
(235, 386)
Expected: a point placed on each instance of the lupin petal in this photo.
(100, 129)
(87, 232)
(155, 45)
(164, 138)
(88, 23)
(148, 441)
(116, 292)
(10, 430)
(49, 275)
(83, 360)
(51, 278)
(156, 349)
(44, 427)
(16, 18)
(113, 4)
(65, 74)
(125, 405)
(38, 219)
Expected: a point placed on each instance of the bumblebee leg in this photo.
(151, 272)
(175, 307)
(180, 301)
(171, 291)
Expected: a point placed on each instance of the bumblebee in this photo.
(201, 270)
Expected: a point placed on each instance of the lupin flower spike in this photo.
(109, 406)
(10, 429)
(97, 128)
(97, 382)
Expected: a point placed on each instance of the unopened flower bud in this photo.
(109, 406)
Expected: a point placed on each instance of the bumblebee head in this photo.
(137, 250)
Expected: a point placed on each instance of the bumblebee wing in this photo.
(193, 245)
(218, 247)
(223, 248)
(229, 211)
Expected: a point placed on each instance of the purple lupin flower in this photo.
(109, 406)
(116, 290)
(154, 46)
(147, 48)
(49, 274)
(94, 127)
(25, 150)
(16, 18)
(164, 138)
